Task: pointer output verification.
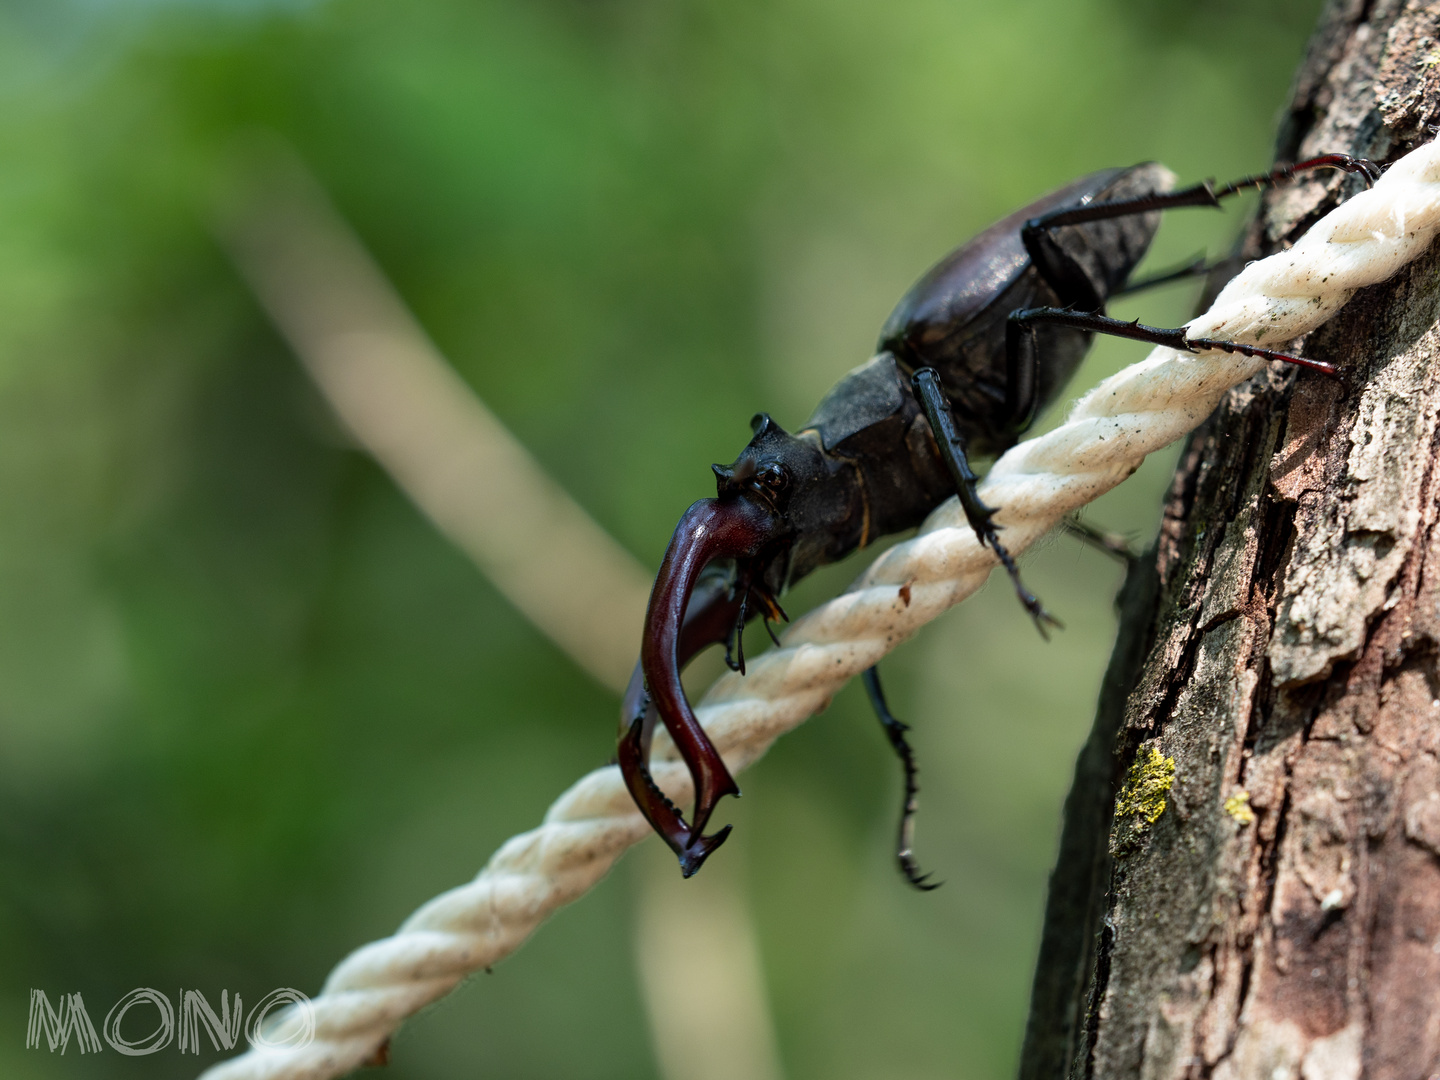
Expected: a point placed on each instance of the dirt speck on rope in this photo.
(1111, 429)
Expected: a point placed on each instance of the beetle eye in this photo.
(773, 478)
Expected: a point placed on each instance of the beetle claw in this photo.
(699, 849)
(914, 877)
(664, 816)
(1044, 621)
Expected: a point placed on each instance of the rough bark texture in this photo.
(1265, 903)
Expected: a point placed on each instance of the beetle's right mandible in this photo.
(739, 529)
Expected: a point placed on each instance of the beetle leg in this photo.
(1022, 362)
(895, 732)
(1196, 267)
(1202, 194)
(1020, 407)
(1370, 170)
(735, 641)
(926, 383)
(770, 612)
(1175, 338)
(1070, 281)
(735, 638)
(1112, 544)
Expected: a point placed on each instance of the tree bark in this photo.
(1249, 877)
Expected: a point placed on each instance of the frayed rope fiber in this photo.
(1143, 408)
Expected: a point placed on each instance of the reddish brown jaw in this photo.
(733, 528)
(664, 816)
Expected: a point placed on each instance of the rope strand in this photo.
(1111, 429)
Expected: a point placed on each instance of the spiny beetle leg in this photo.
(926, 383)
(931, 395)
(1202, 194)
(1173, 338)
(895, 732)
(1073, 283)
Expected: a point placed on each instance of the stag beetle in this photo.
(979, 345)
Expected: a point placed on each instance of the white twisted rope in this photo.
(1143, 408)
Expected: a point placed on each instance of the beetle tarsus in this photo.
(895, 731)
(1042, 618)
(1344, 162)
(1201, 344)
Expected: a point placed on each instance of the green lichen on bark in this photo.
(1238, 807)
(1142, 798)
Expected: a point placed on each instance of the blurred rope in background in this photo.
(404, 403)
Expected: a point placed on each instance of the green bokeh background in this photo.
(253, 710)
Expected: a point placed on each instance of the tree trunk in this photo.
(1249, 877)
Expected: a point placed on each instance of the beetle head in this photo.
(767, 468)
(793, 478)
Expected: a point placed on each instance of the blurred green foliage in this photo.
(253, 710)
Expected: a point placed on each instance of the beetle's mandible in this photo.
(976, 348)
